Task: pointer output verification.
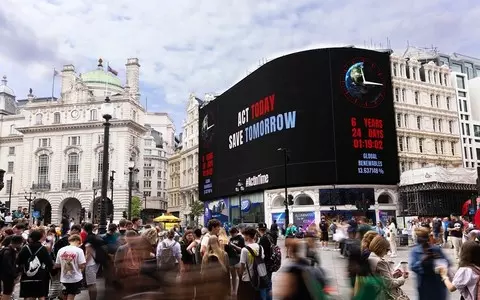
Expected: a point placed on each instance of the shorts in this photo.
(73, 288)
(8, 285)
(324, 237)
(91, 274)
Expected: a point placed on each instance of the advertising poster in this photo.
(342, 94)
(304, 219)
(280, 218)
(217, 209)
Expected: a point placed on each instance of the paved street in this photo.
(335, 266)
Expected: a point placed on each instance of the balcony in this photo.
(97, 184)
(71, 185)
(44, 186)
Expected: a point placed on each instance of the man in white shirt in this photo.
(213, 227)
(245, 289)
(71, 261)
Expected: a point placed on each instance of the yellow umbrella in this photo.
(166, 218)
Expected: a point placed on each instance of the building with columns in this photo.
(53, 147)
(183, 167)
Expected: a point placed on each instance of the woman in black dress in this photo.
(35, 263)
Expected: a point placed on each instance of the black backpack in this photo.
(34, 269)
(259, 279)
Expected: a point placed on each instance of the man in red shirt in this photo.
(83, 234)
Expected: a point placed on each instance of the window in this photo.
(460, 82)
(402, 166)
(456, 67)
(147, 173)
(159, 184)
(73, 140)
(56, 118)
(434, 124)
(147, 163)
(476, 132)
(400, 143)
(395, 66)
(440, 125)
(405, 117)
(39, 119)
(93, 115)
(414, 73)
(467, 126)
(399, 120)
(134, 115)
(159, 174)
(407, 143)
(469, 70)
(100, 165)
(43, 166)
(417, 97)
(404, 93)
(45, 142)
(148, 152)
(436, 146)
(419, 122)
(397, 94)
(100, 139)
(435, 77)
(431, 100)
(437, 100)
(445, 79)
(10, 167)
(462, 94)
(465, 107)
(401, 70)
(452, 147)
(147, 194)
(420, 145)
(447, 102)
(450, 126)
(11, 150)
(441, 146)
(159, 194)
(147, 184)
(72, 168)
(463, 129)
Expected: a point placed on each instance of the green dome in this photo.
(100, 76)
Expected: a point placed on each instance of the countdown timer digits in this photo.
(367, 135)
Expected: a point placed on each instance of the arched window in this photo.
(56, 118)
(39, 119)
(72, 168)
(93, 115)
(43, 168)
(100, 165)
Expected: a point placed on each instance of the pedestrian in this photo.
(455, 231)
(8, 268)
(71, 261)
(247, 289)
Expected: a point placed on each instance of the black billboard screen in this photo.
(331, 108)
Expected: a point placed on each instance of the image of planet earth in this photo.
(358, 85)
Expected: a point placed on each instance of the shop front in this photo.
(227, 210)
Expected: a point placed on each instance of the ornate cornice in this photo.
(43, 150)
(11, 138)
(71, 149)
(82, 126)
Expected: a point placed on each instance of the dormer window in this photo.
(93, 115)
(38, 119)
(56, 118)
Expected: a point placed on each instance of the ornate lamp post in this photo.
(287, 200)
(30, 199)
(107, 112)
(131, 170)
(239, 188)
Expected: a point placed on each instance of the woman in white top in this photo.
(392, 238)
(466, 277)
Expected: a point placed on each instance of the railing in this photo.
(97, 184)
(44, 186)
(71, 185)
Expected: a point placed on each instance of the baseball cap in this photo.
(262, 226)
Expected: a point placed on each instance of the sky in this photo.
(206, 46)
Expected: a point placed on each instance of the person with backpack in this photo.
(467, 277)
(234, 248)
(252, 271)
(8, 268)
(36, 264)
(272, 259)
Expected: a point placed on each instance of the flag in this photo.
(112, 71)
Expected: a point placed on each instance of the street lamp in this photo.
(2, 172)
(112, 179)
(285, 162)
(131, 169)
(107, 112)
(30, 199)
(239, 188)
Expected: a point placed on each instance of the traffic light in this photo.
(290, 199)
(82, 212)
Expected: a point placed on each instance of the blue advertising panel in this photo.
(280, 218)
(217, 209)
(304, 219)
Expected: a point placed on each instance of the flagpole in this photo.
(53, 83)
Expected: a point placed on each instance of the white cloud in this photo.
(206, 46)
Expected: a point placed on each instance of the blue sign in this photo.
(36, 214)
(246, 204)
(217, 209)
(280, 218)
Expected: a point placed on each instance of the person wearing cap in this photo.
(266, 241)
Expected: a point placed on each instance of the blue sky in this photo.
(207, 46)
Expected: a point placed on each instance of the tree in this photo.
(196, 210)
(136, 206)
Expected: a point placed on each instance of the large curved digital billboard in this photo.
(332, 109)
